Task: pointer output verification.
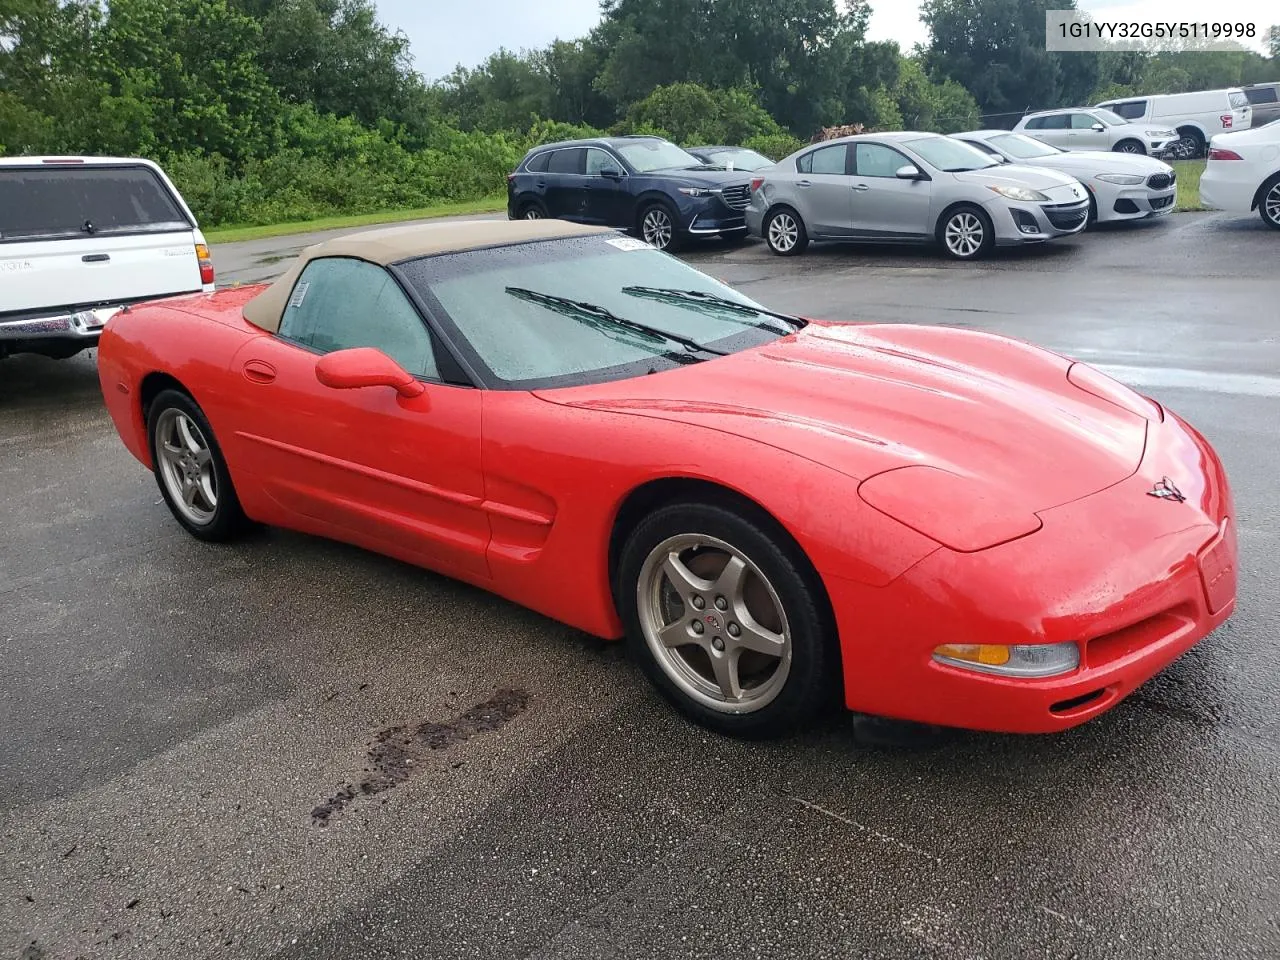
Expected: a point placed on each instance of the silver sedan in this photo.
(911, 188)
(1122, 186)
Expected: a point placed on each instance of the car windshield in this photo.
(739, 159)
(568, 312)
(647, 155)
(1022, 148)
(1109, 118)
(950, 156)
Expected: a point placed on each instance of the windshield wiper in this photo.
(670, 295)
(593, 313)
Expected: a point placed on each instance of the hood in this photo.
(1091, 162)
(864, 399)
(702, 176)
(1015, 175)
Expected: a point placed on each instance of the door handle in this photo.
(861, 186)
(804, 183)
(259, 371)
(541, 184)
(95, 258)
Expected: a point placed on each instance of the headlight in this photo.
(697, 191)
(1025, 660)
(1127, 179)
(962, 513)
(1019, 193)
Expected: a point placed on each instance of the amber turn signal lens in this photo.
(989, 654)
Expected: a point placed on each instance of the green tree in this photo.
(691, 115)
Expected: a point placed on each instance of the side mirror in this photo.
(613, 173)
(1098, 128)
(909, 172)
(365, 367)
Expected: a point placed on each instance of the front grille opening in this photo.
(1128, 641)
(1126, 205)
(736, 197)
(1075, 703)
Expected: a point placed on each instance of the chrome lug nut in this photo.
(722, 603)
(717, 643)
(699, 603)
(735, 630)
(698, 627)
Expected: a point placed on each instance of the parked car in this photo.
(1264, 98)
(1195, 117)
(83, 237)
(928, 523)
(1121, 186)
(732, 158)
(1079, 128)
(909, 187)
(644, 184)
(1243, 173)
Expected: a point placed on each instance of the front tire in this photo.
(966, 233)
(1129, 146)
(1269, 203)
(190, 469)
(784, 233)
(727, 621)
(658, 227)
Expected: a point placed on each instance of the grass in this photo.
(233, 234)
(1189, 172)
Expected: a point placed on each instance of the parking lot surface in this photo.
(292, 748)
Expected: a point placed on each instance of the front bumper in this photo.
(1134, 580)
(1017, 222)
(1136, 203)
(1159, 148)
(704, 216)
(83, 325)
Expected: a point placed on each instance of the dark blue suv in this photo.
(645, 184)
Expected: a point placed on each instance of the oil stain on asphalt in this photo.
(395, 751)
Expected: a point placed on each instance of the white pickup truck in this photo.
(82, 238)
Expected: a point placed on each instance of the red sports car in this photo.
(932, 524)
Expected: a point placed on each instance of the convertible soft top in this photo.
(394, 244)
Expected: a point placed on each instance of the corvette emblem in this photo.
(1165, 490)
(712, 621)
(1075, 192)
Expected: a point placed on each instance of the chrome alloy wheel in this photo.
(1271, 205)
(657, 228)
(186, 466)
(714, 623)
(784, 233)
(1129, 148)
(964, 234)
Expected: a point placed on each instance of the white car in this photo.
(1196, 117)
(1243, 173)
(82, 238)
(1079, 128)
(1121, 186)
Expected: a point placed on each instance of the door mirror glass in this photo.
(908, 172)
(365, 367)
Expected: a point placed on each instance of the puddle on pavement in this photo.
(395, 752)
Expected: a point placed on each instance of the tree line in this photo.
(270, 110)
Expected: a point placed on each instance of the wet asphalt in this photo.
(291, 748)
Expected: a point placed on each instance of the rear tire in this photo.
(784, 232)
(532, 210)
(1269, 203)
(190, 469)
(727, 620)
(966, 233)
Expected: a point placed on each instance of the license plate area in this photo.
(1218, 568)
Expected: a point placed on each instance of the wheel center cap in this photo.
(712, 621)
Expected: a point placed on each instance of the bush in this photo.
(690, 114)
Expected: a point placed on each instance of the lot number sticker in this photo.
(626, 243)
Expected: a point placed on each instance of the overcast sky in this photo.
(444, 33)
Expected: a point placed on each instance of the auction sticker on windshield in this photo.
(627, 243)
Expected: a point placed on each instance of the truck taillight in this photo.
(206, 263)
(1217, 153)
(1226, 119)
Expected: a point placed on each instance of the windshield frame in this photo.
(453, 265)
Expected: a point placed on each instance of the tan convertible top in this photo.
(393, 244)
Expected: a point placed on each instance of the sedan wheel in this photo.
(190, 470)
(785, 234)
(1130, 146)
(1270, 206)
(966, 235)
(657, 228)
(728, 619)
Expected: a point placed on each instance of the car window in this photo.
(1083, 121)
(567, 161)
(1035, 123)
(1237, 99)
(539, 163)
(1130, 110)
(1017, 146)
(598, 160)
(340, 302)
(1262, 95)
(877, 160)
(984, 147)
(1058, 121)
(66, 201)
(646, 156)
(824, 160)
(482, 298)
